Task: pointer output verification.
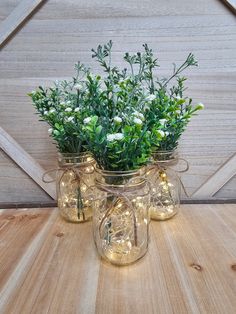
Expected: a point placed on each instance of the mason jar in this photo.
(165, 185)
(121, 215)
(74, 180)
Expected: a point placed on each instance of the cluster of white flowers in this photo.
(115, 136)
(161, 133)
(69, 119)
(78, 87)
(87, 120)
(162, 121)
(200, 106)
(68, 109)
(52, 110)
(138, 115)
(150, 97)
(117, 119)
(138, 121)
(50, 130)
(77, 109)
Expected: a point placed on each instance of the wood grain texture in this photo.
(26, 162)
(53, 266)
(218, 179)
(47, 47)
(17, 17)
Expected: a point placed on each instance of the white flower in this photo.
(69, 119)
(117, 119)
(161, 133)
(115, 136)
(167, 133)
(52, 110)
(150, 97)
(119, 136)
(78, 87)
(62, 104)
(77, 109)
(45, 112)
(110, 137)
(200, 106)
(87, 120)
(179, 98)
(162, 121)
(50, 131)
(138, 115)
(138, 121)
(68, 109)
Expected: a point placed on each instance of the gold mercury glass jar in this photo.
(165, 185)
(121, 215)
(74, 179)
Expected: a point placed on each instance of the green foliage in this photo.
(120, 116)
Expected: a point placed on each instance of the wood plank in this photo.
(63, 277)
(17, 17)
(189, 268)
(21, 233)
(25, 161)
(218, 179)
(231, 4)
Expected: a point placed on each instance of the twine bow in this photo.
(78, 178)
(161, 165)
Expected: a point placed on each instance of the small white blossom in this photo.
(162, 121)
(62, 104)
(179, 98)
(150, 97)
(78, 87)
(119, 136)
(69, 119)
(45, 112)
(200, 106)
(77, 109)
(110, 137)
(115, 136)
(87, 120)
(68, 109)
(167, 133)
(117, 119)
(161, 133)
(50, 131)
(138, 121)
(52, 110)
(138, 115)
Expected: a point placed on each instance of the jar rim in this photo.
(80, 162)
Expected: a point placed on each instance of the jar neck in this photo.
(75, 159)
(165, 158)
(120, 180)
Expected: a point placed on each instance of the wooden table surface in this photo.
(50, 266)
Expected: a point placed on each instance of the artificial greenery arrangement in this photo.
(120, 117)
(63, 108)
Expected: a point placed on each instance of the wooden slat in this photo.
(218, 179)
(25, 161)
(231, 4)
(189, 268)
(17, 18)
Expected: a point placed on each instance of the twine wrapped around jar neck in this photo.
(167, 160)
(120, 191)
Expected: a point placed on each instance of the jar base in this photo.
(123, 260)
(161, 215)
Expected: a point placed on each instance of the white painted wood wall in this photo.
(46, 45)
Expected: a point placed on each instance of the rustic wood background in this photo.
(41, 40)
